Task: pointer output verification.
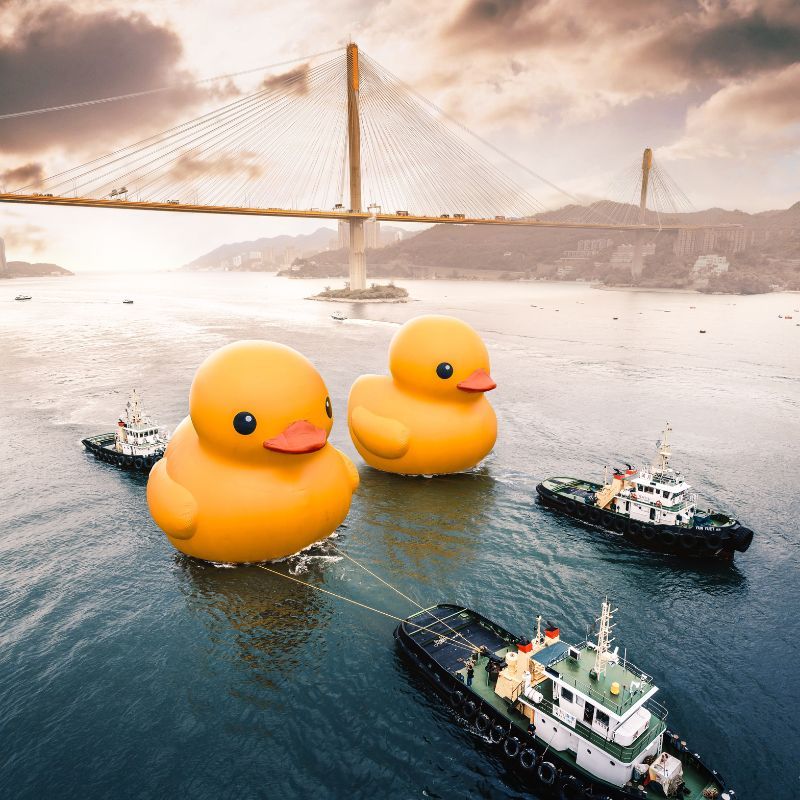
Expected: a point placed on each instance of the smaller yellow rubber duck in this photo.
(430, 417)
(249, 474)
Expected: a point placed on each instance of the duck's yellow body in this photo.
(430, 416)
(249, 475)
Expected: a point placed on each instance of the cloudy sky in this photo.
(573, 89)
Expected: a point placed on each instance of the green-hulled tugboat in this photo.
(137, 443)
(577, 721)
(652, 506)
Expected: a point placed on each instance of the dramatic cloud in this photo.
(30, 174)
(241, 164)
(25, 237)
(295, 81)
(745, 118)
(57, 56)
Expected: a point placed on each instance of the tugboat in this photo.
(23, 297)
(137, 443)
(576, 721)
(652, 506)
(339, 316)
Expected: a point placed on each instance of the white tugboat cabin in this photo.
(137, 434)
(137, 443)
(656, 494)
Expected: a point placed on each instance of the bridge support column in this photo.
(637, 263)
(358, 260)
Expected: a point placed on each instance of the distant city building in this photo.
(587, 250)
(624, 253)
(594, 245)
(729, 239)
(3, 262)
(710, 264)
(564, 271)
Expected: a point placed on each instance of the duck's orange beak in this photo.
(479, 381)
(299, 437)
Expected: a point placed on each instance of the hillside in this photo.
(771, 255)
(274, 251)
(24, 269)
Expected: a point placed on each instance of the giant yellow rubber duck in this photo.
(430, 416)
(249, 475)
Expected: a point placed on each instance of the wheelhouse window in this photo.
(601, 718)
(566, 694)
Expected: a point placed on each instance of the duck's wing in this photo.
(173, 507)
(385, 437)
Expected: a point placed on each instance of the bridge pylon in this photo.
(358, 259)
(636, 264)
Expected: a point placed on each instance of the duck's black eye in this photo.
(328, 408)
(444, 370)
(244, 422)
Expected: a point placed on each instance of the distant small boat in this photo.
(128, 302)
(337, 315)
(23, 297)
(788, 316)
(702, 330)
(692, 306)
(614, 317)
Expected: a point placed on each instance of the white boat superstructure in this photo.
(137, 434)
(655, 493)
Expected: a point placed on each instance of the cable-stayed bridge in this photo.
(340, 137)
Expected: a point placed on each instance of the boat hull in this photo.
(564, 780)
(709, 542)
(102, 448)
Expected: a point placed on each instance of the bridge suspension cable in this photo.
(169, 88)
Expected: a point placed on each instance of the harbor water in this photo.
(129, 671)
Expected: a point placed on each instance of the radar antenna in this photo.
(661, 462)
(604, 638)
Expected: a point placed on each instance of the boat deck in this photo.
(440, 632)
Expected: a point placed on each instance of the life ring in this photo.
(456, 698)
(527, 758)
(497, 733)
(658, 503)
(483, 723)
(668, 538)
(634, 496)
(571, 788)
(546, 773)
(470, 709)
(512, 746)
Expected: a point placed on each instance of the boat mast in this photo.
(661, 462)
(604, 638)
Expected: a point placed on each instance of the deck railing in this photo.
(626, 754)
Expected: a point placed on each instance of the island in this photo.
(24, 269)
(376, 293)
